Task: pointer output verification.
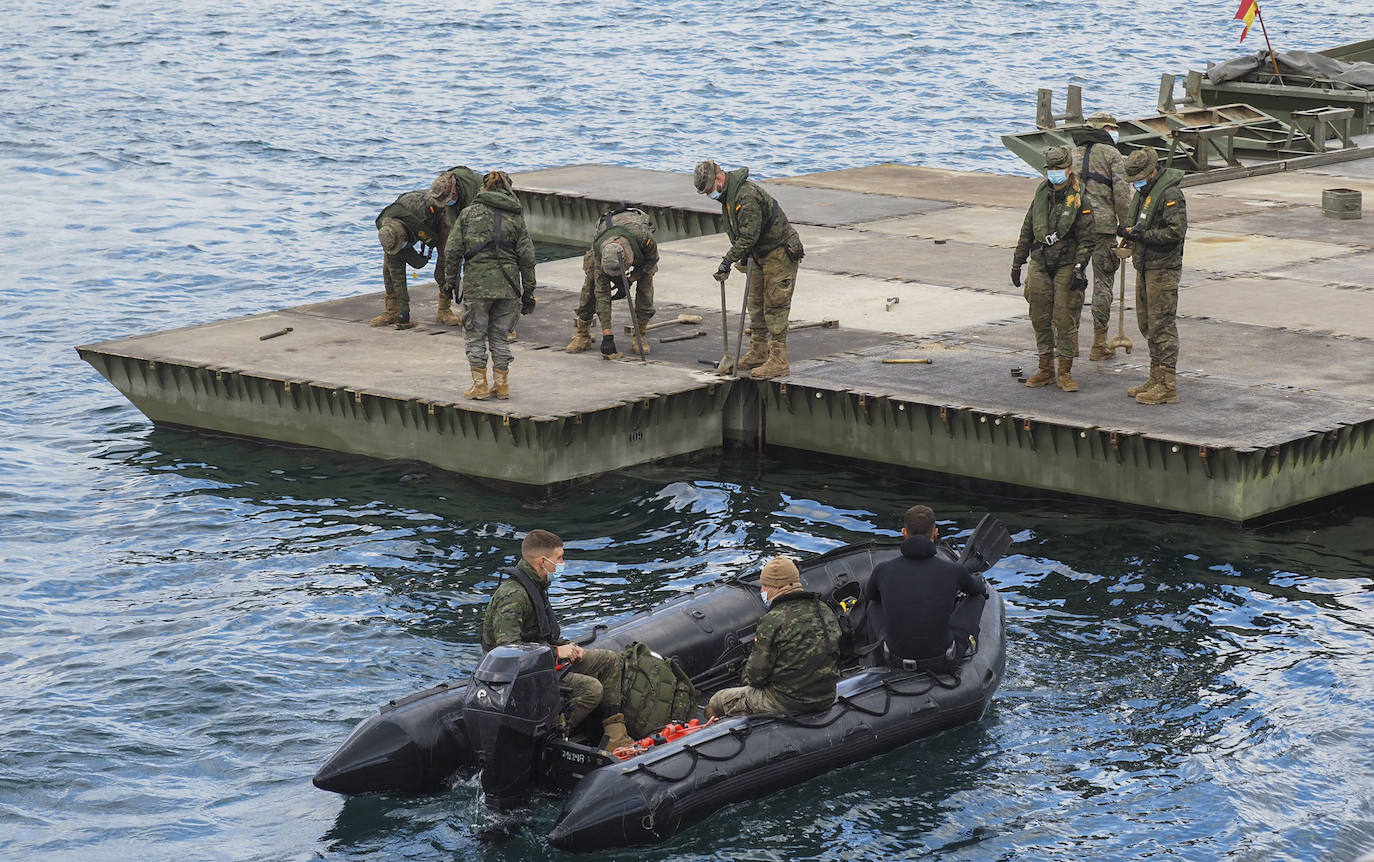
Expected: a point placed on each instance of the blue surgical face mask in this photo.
(451, 203)
(1140, 185)
(763, 594)
(714, 195)
(559, 568)
(1058, 177)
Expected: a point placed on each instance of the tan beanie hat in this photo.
(780, 572)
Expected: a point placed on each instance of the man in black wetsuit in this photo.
(915, 597)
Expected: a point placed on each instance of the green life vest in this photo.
(1046, 220)
(654, 690)
(1144, 207)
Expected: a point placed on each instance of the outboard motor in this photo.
(413, 745)
(509, 710)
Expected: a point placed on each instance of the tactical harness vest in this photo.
(645, 253)
(496, 242)
(1092, 175)
(543, 611)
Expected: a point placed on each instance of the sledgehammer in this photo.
(680, 319)
(793, 327)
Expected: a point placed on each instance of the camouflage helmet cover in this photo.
(496, 180)
(392, 235)
(1140, 164)
(443, 189)
(1101, 120)
(614, 257)
(1058, 158)
(705, 175)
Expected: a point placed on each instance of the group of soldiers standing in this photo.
(486, 262)
(1092, 196)
(485, 267)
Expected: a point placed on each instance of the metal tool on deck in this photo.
(680, 319)
(688, 337)
(793, 327)
(1123, 253)
(727, 363)
(276, 334)
(634, 320)
(902, 360)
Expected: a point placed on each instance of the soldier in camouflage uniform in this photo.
(1102, 174)
(1156, 228)
(453, 190)
(794, 664)
(494, 249)
(1058, 238)
(412, 218)
(757, 228)
(623, 252)
(520, 612)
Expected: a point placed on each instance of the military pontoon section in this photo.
(1276, 369)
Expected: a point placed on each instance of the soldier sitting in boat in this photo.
(912, 600)
(623, 253)
(520, 612)
(793, 666)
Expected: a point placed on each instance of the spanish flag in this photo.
(1247, 12)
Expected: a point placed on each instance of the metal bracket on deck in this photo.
(1030, 435)
(1116, 447)
(1206, 465)
(944, 417)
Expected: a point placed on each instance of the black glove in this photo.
(608, 345)
(527, 302)
(1016, 276)
(1079, 280)
(722, 271)
(619, 292)
(1120, 230)
(1131, 233)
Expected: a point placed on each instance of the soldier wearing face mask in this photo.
(1102, 173)
(793, 666)
(520, 612)
(1156, 229)
(1057, 237)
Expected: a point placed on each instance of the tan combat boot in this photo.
(500, 385)
(1163, 392)
(616, 734)
(446, 315)
(1099, 349)
(639, 341)
(390, 316)
(776, 366)
(1139, 388)
(1062, 378)
(479, 391)
(1046, 372)
(582, 339)
(758, 352)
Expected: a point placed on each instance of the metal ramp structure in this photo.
(1191, 135)
(1292, 97)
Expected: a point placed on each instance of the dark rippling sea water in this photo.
(189, 626)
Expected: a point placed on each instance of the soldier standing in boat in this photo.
(758, 229)
(1102, 174)
(1157, 226)
(1057, 237)
(494, 249)
(623, 253)
(520, 612)
(793, 666)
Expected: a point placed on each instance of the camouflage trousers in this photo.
(594, 679)
(394, 280)
(770, 294)
(597, 288)
(1054, 309)
(744, 700)
(1156, 310)
(1105, 265)
(485, 325)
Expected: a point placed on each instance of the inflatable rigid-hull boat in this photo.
(503, 721)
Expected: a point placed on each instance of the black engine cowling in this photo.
(509, 709)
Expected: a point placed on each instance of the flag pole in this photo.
(1265, 31)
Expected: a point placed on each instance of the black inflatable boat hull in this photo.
(654, 796)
